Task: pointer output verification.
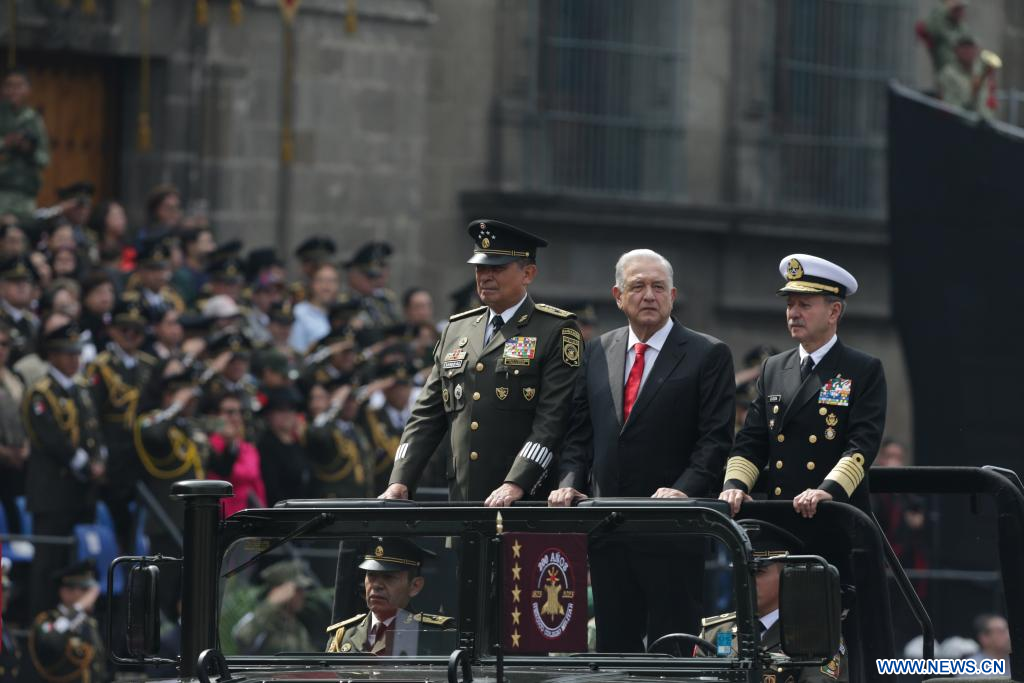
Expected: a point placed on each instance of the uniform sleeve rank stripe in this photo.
(742, 470)
(848, 474)
(537, 453)
(402, 452)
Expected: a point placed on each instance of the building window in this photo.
(602, 100)
(832, 61)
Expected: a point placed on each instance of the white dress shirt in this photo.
(769, 620)
(820, 353)
(506, 315)
(654, 345)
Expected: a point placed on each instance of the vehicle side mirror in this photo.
(809, 609)
(143, 611)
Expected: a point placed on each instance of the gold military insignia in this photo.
(830, 433)
(831, 420)
(485, 243)
(444, 395)
(379, 551)
(501, 393)
(570, 347)
(529, 393)
(794, 271)
(346, 647)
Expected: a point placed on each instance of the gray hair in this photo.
(640, 255)
(831, 299)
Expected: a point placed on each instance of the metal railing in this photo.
(828, 67)
(600, 96)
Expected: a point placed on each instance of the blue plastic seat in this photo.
(99, 543)
(18, 551)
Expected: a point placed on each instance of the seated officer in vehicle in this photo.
(273, 625)
(392, 579)
(769, 540)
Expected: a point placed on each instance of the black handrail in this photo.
(1009, 499)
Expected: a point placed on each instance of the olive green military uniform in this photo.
(21, 169)
(835, 669)
(342, 458)
(944, 35)
(505, 401)
(408, 635)
(956, 89)
(269, 629)
(65, 646)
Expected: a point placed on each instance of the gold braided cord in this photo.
(183, 456)
(67, 419)
(51, 676)
(347, 452)
(120, 394)
(389, 444)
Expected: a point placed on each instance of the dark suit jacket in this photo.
(804, 436)
(680, 429)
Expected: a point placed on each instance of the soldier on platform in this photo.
(342, 456)
(119, 376)
(149, 285)
(67, 459)
(65, 644)
(17, 279)
(817, 420)
(228, 373)
(389, 628)
(501, 383)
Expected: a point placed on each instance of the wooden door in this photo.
(74, 97)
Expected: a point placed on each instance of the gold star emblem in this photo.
(515, 638)
(515, 571)
(516, 547)
(515, 616)
(515, 594)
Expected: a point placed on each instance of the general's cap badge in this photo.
(794, 271)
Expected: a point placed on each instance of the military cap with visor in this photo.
(392, 553)
(316, 248)
(82, 189)
(285, 571)
(806, 274)
(79, 575)
(128, 313)
(770, 540)
(64, 339)
(498, 243)
(17, 268)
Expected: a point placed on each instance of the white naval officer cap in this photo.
(806, 274)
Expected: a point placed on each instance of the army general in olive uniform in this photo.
(817, 420)
(502, 380)
(390, 629)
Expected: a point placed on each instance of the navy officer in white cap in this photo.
(817, 420)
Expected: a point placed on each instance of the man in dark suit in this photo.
(653, 412)
(817, 421)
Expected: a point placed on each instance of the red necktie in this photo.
(636, 373)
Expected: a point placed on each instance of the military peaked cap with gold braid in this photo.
(806, 274)
(390, 554)
(499, 243)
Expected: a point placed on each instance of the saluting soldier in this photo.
(150, 283)
(118, 377)
(274, 625)
(67, 458)
(816, 423)
(768, 541)
(386, 423)
(502, 381)
(16, 279)
(171, 445)
(367, 272)
(389, 628)
(341, 453)
(65, 644)
(228, 373)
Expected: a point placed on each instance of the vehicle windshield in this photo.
(420, 594)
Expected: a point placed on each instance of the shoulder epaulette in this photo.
(102, 358)
(720, 619)
(555, 311)
(147, 358)
(43, 385)
(351, 620)
(433, 619)
(466, 314)
(81, 381)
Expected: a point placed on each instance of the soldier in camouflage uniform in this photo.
(64, 643)
(24, 147)
(273, 626)
(501, 382)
